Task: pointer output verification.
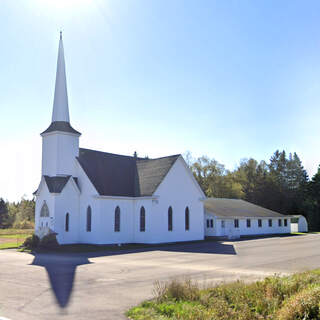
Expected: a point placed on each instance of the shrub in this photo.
(176, 290)
(303, 305)
(49, 241)
(31, 242)
(24, 224)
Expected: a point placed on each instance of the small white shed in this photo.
(233, 218)
(299, 224)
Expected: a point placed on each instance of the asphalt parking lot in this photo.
(104, 286)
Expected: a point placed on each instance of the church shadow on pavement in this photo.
(209, 247)
(61, 271)
(61, 267)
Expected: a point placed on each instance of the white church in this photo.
(88, 196)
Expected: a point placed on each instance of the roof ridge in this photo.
(131, 157)
(149, 159)
(108, 153)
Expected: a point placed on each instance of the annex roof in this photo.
(229, 208)
(119, 175)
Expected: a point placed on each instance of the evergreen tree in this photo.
(3, 213)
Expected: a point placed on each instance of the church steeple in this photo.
(60, 142)
(60, 113)
(60, 103)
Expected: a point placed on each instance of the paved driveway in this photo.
(102, 286)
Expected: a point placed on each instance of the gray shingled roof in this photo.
(118, 175)
(60, 126)
(229, 208)
(56, 184)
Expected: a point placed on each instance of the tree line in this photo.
(19, 215)
(282, 184)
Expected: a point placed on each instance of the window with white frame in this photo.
(117, 219)
(170, 227)
(89, 219)
(67, 222)
(142, 219)
(187, 219)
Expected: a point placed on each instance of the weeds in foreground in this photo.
(295, 297)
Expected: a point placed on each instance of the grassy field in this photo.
(275, 298)
(13, 238)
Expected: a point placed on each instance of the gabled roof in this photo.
(229, 208)
(56, 184)
(118, 175)
(151, 172)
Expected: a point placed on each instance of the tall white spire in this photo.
(60, 102)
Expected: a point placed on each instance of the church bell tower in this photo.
(60, 142)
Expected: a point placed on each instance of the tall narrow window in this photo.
(187, 219)
(142, 219)
(280, 223)
(44, 212)
(259, 223)
(236, 223)
(170, 219)
(285, 222)
(117, 219)
(208, 223)
(270, 222)
(248, 223)
(211, 223)
(89, 219)
(67, 222)
(222, 224)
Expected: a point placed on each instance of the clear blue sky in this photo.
(227, 79)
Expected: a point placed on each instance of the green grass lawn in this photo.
(10, 245)
(4, 232)
(13, 238)
(275, 298)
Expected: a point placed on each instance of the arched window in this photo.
(170, 219)
(117, 219)
(142, 219)
(44, 212)
(67, 222)
(187, 217)
(89, 219)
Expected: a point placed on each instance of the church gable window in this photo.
(142, 219)
(44, 212)
(89, 219)
(117, 219)
(170, 219)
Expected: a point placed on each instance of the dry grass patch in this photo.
(275, 298)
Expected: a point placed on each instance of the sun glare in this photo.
(66, 4)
